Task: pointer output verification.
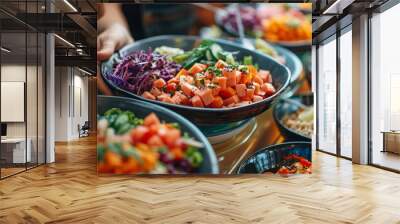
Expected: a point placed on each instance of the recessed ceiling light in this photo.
(70, 5)
(5, 50)
(65, 41)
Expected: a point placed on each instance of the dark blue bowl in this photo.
(203, 116)
(269, 158)
(282, 108)
(142, 109)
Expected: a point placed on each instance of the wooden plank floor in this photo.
(69, 191)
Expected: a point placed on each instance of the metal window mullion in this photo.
(338, 95)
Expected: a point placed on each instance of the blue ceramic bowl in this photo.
(205, 116)
(282, 108)
(269, 158)
(142, 109)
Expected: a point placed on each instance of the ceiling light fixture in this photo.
(5, 50)
(65, 41)
(84, 71)
(70, 5)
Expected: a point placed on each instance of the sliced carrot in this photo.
(220, 64)
(241, 90)
(227, 92)
(196, 68)
(196, 101)
(206, 96)
(148, 95)
(159, 83)
(217, 102)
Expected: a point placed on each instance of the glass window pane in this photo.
(385, 89)
(327, 97)
(346, 94)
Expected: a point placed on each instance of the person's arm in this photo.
(113, 33)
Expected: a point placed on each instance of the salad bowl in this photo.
(281, 77)
(269, 158)
(142, 109)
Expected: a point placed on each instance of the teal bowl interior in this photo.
(281, 76)
(142, 109)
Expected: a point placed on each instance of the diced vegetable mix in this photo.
(206, 76)
(280, 22)
(130, 145)
(294, 164)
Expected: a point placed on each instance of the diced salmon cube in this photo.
(241, 90)
(231, 100)
(258, 80)
(155, 91)
(257, 98)
(217, 102)
(216, 90)
(222, 82)
(231, 76)
(238, 76)
(265, 75)
(148, 95)
(183, 99)
(196, 101)
(187, 89)
(151, 119)
(159, 83)
(227, 92)
(268, 88)
(206, 96)
(250, 92)
(196, 68)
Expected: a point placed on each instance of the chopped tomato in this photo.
(151, 119)
(171, 87)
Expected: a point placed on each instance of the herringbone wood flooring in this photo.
(69, 191)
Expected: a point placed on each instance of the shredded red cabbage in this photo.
(249, 18)
(137, 71)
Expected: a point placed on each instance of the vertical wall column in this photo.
(50, 98)
(314, 91)
(360, 90)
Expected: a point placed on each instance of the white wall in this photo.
(71, 93)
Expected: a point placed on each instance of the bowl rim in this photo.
(197, 109)
(269, 147)
(279, 121)
(181, 120)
